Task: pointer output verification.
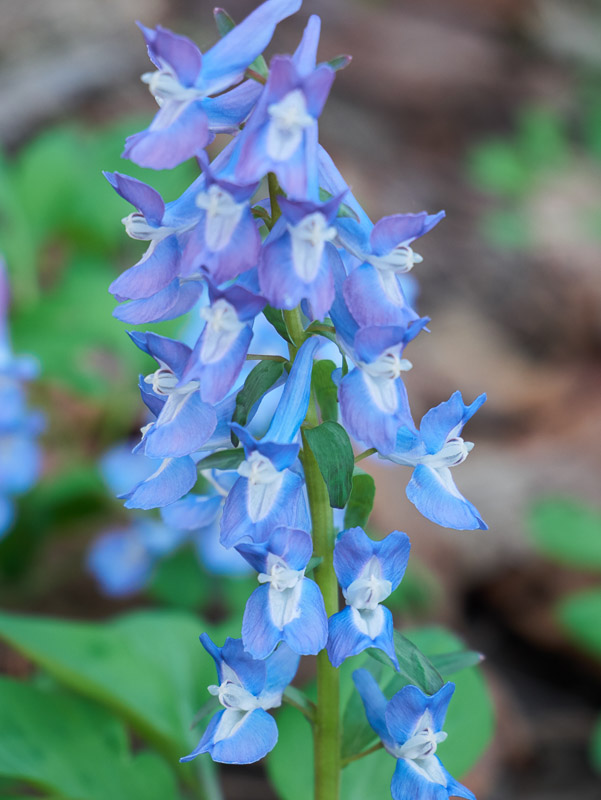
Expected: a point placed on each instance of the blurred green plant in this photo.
(512, 168)
(570, 534)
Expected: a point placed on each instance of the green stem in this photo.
(296, 330)
(327, 714)
(365, 454)
(363, 753)
(260, 357)
(274, 190)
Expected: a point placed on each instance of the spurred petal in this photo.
(434, 494)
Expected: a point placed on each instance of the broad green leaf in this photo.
(413, 664)
(326, 391)
(68, 745)
(275, 317)
(568, 532)
(179, 582)
(361, 500)
(333, 452)
(147, 666)
(580, 614)
(449, 664)
(259, 381)
(223, 459)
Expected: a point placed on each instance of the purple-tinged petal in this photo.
(352, 551)
(434, 494)
(228, 110)
(345, 639)
(171, 302)
(183, 427)
(305, 55)
(332, 181)
(374, 703)
(155, 270)
(177, 133)
(373, 340)
(152, 401)
(218, 376)
(408, 784)
(438, 704)
(173, 479)
(446, 421)
(373, 303)
(119, 467)
(142, 196)
(192, 512)
(167, 352)
(372, 410)
(168, 49)
(317, 87)
(393, 553)
(389, 232)
(253, 735)
(240, 255)
(293, 405)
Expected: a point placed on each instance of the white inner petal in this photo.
(137, 227)
(400, 259)
(308, 241)
(453, 452)
(369, 588)
(380, 376)
(221, 331)
(288, 120)
(369, 621)
(222, 217)
(419, 750)
(284, 590)
(390, 286)
(164, 382)
(164, 85)
(264, 482)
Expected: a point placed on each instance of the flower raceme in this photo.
(303, 256)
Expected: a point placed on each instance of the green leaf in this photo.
(450, 663)
(333, 452)
(339, 62)
(497, 167)
(68, 745)
(567, 531)
(326, 391)
(147, 666)
(413, 664)
(541, 139)
(179, 582)
(223, 459)
(580, 615)
(596, 746)
(258, 382)
(275, 317)
(361, 500)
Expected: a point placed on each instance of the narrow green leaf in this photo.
(259, 381)
(333, 452)
(339, 62)
(361, 500)
(567, 531)
(343, 210)
(315, 561)
(275, 317)
(326, 391)
(413, 664)
(223, 459)
(450, 663)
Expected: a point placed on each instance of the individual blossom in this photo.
(269, 492)
(186, 81)
(373, 398)
(410, 727)
(298, 257)
(281, 133)
(368, 572)
(244, 732)
(433, 451)
(219, 355)
(184, 422)
(288, 607)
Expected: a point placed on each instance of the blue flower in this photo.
(184, 421)
(281, 133)
(185, 79)
(288, 607)
(298, 257)
(410, 727)
(373, 292)
(220, 353)
(368, 572)
(433, 450)
(269, 493)
(244, 732)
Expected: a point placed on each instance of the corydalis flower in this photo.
(288, 607)
(410, 727)
(244, 732)
(368, 572)
(433, 451)
(185, 79)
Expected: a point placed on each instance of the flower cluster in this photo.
(20, 456)
(270, 228)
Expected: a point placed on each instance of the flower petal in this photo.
(434, 494)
